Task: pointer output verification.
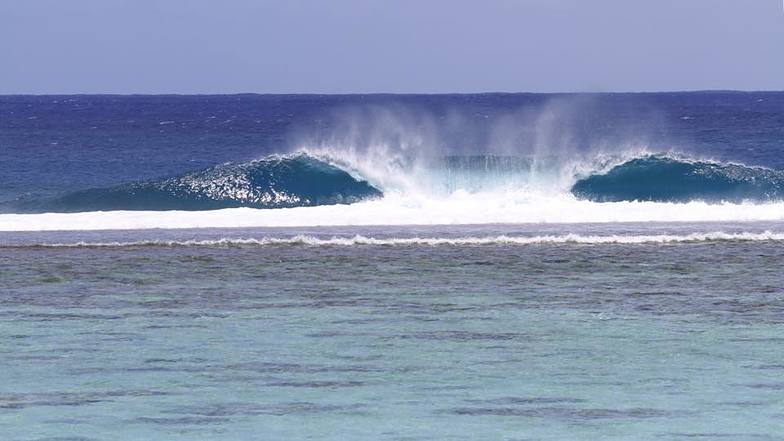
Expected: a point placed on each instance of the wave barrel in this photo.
(663, 179)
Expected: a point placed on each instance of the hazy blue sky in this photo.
(211, 46)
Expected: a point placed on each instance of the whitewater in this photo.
(456, 210)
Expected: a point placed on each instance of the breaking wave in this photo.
(327, 189)
(273, 182)
(303, 180)
(666, 179)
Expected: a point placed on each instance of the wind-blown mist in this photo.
(416, 152)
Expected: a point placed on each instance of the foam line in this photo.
(502, 240)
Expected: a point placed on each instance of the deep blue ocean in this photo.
(392, 267)
(56, 146)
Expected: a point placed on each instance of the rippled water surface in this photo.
(541, 341)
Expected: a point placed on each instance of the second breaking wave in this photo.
(501, 240)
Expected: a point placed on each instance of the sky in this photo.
(394, 46)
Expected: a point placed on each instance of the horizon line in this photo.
(640, 92)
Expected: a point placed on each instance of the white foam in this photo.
(458, 209)
(441, 241)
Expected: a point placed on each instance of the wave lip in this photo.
(667, 179)
(501, 240)
(272, 182)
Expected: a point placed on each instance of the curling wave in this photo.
(668, 179)
(273, 182)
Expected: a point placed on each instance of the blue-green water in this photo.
(319, 340)
(392, 267)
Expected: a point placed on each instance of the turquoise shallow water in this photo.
(548, 341)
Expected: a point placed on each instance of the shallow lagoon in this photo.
(293, 341)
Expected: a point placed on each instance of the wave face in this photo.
(272, 182)
(664, 179)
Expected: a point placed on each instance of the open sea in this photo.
(392, 267)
